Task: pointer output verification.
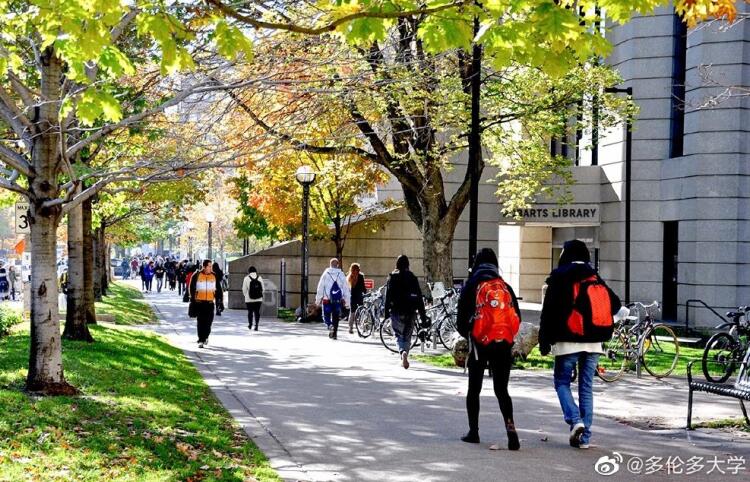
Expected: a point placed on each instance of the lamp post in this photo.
(210, 217)
(305, 176)
(187, 228)
(628, 181)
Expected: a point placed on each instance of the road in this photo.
(346, 411)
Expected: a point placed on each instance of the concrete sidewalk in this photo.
(344, 410)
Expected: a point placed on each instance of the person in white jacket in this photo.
(333, 293)
(252, 289)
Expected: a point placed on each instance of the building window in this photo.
(679, 57)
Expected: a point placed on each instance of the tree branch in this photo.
(332, 25)
(298, 144)
(16, 161)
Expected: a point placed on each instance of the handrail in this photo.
(687, 312)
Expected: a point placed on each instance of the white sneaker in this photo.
(405, 360)
(583, 446)
(200, 345)
(575, 434)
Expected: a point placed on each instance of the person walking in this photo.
(134, 267)
(14, 279)
(356, 281)
(182, 271)
(252, 290)
(171, 269)
(576, 318)
(159, 272)
(333, 294)
(220, 277)
(148, 275)
(125, 268)
(403, 298)
(205, 290)
(489, 317)
(4, 282)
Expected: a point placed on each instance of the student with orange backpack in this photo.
(577, 316)
(489, 317)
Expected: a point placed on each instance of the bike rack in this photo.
(703, 303)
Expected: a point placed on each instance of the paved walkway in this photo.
(344, 410)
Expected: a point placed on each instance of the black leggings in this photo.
(498, 356)
(253, 310)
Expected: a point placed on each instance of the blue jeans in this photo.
(403, 326)
(584, 412)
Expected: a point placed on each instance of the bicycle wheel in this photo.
(388, 336)
(659, 350)
(719, 357)
(445, 330)
(363, 322)
(614, 360)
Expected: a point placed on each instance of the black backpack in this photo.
(256, 289)
(404, 296)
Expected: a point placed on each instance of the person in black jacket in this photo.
(403, 297)
(571, 349)
(356, 281)
(497, 354)
(220, 277)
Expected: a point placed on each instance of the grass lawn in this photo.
(535, 361)
(127, 305)
(145, 414)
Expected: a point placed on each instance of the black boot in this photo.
(513, 442)
(471, 437)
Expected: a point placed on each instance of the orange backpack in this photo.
(592, 309)
(495, 318)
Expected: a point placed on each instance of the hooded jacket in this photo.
(326, 283)
(558, 301)
(246, 287)
(467, 301)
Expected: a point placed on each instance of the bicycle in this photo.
(445, 312)
(654, 346)
(725, 350)
(368, 316)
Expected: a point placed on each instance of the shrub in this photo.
(9, 316)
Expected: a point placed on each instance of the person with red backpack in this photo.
(489, 317)
(577, 316)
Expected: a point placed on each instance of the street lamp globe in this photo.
(210, 216)
(305, 175)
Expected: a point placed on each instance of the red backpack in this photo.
(592, 309)
(495, 318)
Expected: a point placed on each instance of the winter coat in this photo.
(246, 289)
(467, 301)
(159, 272)
(403, 295)
(218, 294)
(148, 272)
(326, 283)
(558, 305)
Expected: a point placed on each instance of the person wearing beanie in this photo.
(489, 317)
(564, 332)
(403, 299)
(252, 289)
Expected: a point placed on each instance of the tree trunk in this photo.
(103, 261)
(75, 320)
(88, 264)
(437, 247)
(45, 374)
(96, 267)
